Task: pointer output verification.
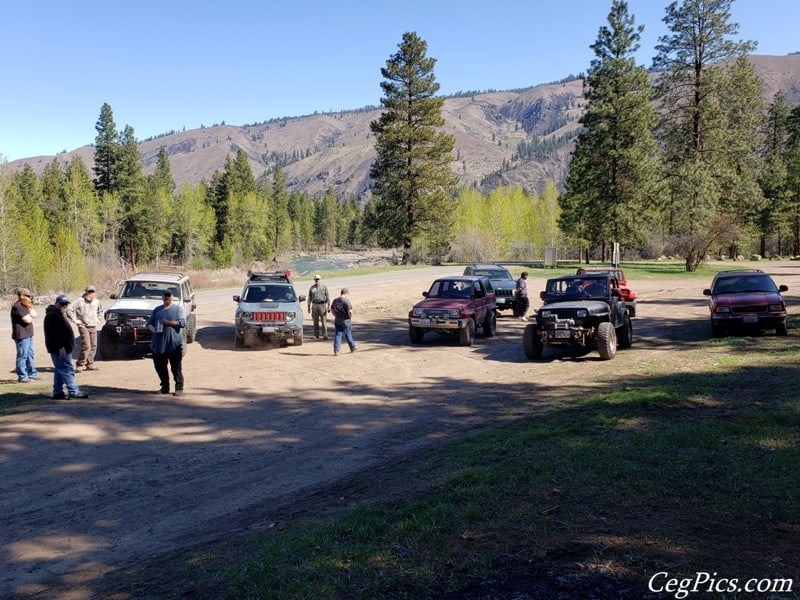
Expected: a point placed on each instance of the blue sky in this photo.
(177, 64)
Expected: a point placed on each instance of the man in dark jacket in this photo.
(58, 338)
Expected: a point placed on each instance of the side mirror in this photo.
(783, 288)
(113, 296)
(706, 292)
(301, 298)
(424, 294)
(615, 292)
(542, 295)
(237, 298)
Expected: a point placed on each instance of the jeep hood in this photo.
(594, 307)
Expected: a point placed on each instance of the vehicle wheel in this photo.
(238, 340)
(185, 344)
(532, 342)
(467, 334)
(191, 329)
(490, 324)
(298, 340)
(606, 341)
(416, 334)
(625, 335)
(716, 331)
(781, 330)
(109, 348)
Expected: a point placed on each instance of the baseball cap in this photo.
(317, 276)
(90, 289)
(62, 300)
(24, 292)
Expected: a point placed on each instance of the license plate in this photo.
(750, 319)
(138, 323)
(561, 334)
(424, 322)
(267, 329)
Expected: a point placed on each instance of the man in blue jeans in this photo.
(165, 324)
(59, 338)
(342, 310)
(22, 316)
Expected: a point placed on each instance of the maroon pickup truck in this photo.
(455, 305)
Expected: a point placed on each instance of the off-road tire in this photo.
(109, 349)
(532, 342)
(238, 340)
(191, 328)
(490, 324)
(625, 333)
(606, 340)
(298, 340)
(416, 334)
(467, 334)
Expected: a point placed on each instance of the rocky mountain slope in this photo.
(335, 150)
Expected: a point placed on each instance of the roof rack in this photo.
(270, 275)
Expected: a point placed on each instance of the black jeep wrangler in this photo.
(583, 312)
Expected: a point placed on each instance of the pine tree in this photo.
(162, 175)
(414, 184)
(611, 178)
(702, 146)
(136, 235)
(106, 151)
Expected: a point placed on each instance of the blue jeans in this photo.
(346, 328)
(25, 367)
(63, 375)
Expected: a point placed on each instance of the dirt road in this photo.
(90, 486)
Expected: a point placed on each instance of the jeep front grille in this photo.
(504, 293)
(269, 316)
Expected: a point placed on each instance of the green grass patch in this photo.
(679, 473)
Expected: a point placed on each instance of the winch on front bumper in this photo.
(553, 330)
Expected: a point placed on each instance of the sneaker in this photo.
(34, 378)
(59, 396)
(163, 391)
(79, 368)
(79, 395)
(179, 392)
(336, 354)
(24, 380)
(353, 349)
(92, 367)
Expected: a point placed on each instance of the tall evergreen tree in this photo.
(162, 174)
(414, 184)
(106, 151)
(611, 178)
(136, 235)
(279, 202)
(702, 146)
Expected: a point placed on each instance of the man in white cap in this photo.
(318, 305)
(86, 313)
(58, 338)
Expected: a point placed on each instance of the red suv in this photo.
(627, 295)
(746, 299)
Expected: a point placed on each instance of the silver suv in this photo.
(126, 319)
(268, 310)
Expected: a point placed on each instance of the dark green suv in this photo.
(502, 282)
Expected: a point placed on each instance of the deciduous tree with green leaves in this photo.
(414, 184)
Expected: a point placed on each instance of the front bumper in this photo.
(134, 332)
(437, 323)
(744, 320)
(270, 331)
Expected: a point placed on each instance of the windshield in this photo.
(577, 288)
(749, 283)
(269, 293)
(447, 288)
(493, 273)
(149, 289)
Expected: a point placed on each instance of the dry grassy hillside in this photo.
(335, 150)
